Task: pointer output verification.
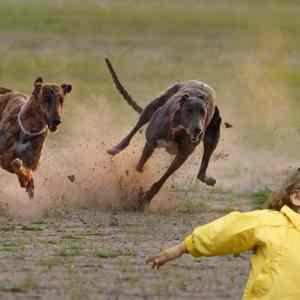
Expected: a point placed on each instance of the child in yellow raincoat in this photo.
(272, 234)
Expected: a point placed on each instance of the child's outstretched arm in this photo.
(167, 255)
(231, 234)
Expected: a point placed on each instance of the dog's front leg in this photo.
(155, 188)
(25, 176)
(147, 152)
(211, 139)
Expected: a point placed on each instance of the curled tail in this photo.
(121, 88)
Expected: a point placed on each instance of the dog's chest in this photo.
(21, 145)
(170, 146)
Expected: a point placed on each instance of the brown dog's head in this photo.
(51, 99)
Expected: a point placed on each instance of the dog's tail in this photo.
(121, 88)
(4, 90)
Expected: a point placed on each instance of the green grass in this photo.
(69, 252)
(33, 227)
(63, 18)
(71, 19)
(190, 206)
(50, 261)
(10, 246)
(73, 237)
(260, 198)
(24, 286)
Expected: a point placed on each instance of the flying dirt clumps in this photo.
(72, 178)
(228, 125)
(96, 180)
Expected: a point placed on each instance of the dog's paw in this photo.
(144, 198)
(118, 148)
(113, 151)
(30, 189)
(16, 164)
(210, 181)
(139, 169)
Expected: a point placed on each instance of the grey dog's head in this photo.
(192, 114)
(51, 99)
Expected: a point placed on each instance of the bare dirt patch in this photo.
(96, 255)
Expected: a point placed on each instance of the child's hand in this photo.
(166, 256)
(158, 260)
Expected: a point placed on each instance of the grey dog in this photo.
(179, 119)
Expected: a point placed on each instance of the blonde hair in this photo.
(282, 196)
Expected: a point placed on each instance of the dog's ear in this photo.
(183, 99)
(37, 86)
(67, 88)
(39, 80)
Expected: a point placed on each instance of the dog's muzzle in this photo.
(196, 136)
(53, 125)
(53, 128)
(196, 139)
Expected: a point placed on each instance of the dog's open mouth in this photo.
(195, 138)
(52, 128)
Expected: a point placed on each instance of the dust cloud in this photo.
(252, 155)
(81, 173)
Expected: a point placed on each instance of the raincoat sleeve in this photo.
(231, 234)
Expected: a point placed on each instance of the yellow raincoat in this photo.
(273, 236)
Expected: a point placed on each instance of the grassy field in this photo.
(247, 50)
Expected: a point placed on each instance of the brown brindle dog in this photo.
(24, 124)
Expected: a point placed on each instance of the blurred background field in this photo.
(247, 50)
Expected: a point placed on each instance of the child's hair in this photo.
(282, 196)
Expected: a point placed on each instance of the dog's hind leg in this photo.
(211, 139)
(24, 175)
(147, 152)
(145, 117)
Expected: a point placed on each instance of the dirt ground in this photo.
(82, 240)
(91, 254)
